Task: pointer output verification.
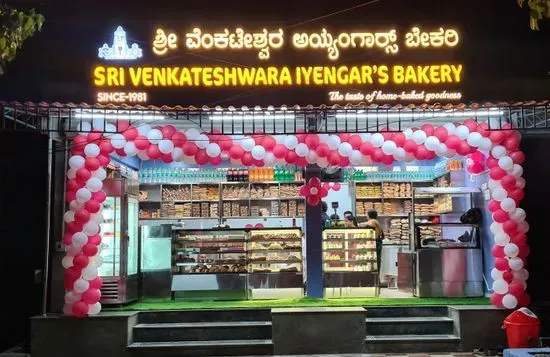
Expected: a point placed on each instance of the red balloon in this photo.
(98, 196)
(524, 251)
(336, 186)
(68, 238)
(122, 125)
(97, 283)
(453, 142)
(508, 276)
(166, 158)
(496, 136)
(72, 273)
(258, 226)
(516, 194)
(92, 163)
(463, 149)
(322, 150)
(130, 134)
(225, 142)
(500, 216)
(421, 152)
(236, 152)
(399, 139)
(249, 226)
(79, 142)
(105, 147)
(496, 299)
(355, 141)
(496, 173)
(501, 264)
(73, 185)
(410, 146)
(366, 148)
(279, 151)
(511, 143)
(168, 131)
(344, 137)
(73, 227)
(301, 161)
(377, 155)
(497, 251)
(441, 133)
(94, 137)
(178, 139)
(524, 300)
(313, 200)
(516, 288)
(510, 227)
(70, 196)
(312, 140)
(120, 152)
(493, 205)
(476, 168)
(95, 239)
(517, 157)
(291, 157)
(258, 139)
(81, 261)
(519, 239)
(491, 162)
(190, 149)
(83, 174)
(153, 152)
(216, 161)
(81, 215)
(430, 155)
(141, 142)
(387, 160)
(104, 160)
(247, 159)
(91, 296)
(201, 157)
(269, 143)
(80, 309)
(482, 128)
(508, 182)
(323, 192)
(344, 161)
(471, 124)
(428, 129)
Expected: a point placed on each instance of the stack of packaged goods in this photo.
(167, 210)
(398, 230)
(274, 209)
(290, 190)
(176, 193)
(183, 210)
(196, 210)
(430, 232)
(423, 209)
(368, 191)
(397, 190)
(235, 192)
(214, 211)
(301, 209)
(443, 203)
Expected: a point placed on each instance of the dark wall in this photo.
(537, 194)
(23, 199)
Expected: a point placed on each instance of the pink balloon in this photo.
(96, 283)
(496, 299)
(153, 152)
(516, 288)
(387, 160)
(94, 137)
(410, 146)
(493, 205)
(441, 133)
(471, 124)
(510, 227)
(247, 159)
(73, 227)
(83, 174)
(336, 186)
(344, 137)
(249, 226)
(68, 238)
(333, 158)
(312, 140)
(508, 182)
(500, 216)
(524, 300)
(428, 129)
(122, 125)
(70, 196)
(80, 309)
(497, 251)
(496, 136)
(179, 139)
(377, 155)
(301, 162)
(190, 149)
(216, 161)
(236, 152)
(202, 158)
(453, 142)
(91, 296)
(399, 139)
(524, 250)
(516, 194)
(130, 133)
(74, 185)
(89, 249)
(322, 150)
(268, 143)
(167, 131)
(519, 239)
(280, 151)
(167, 158)
(141, 142)
(475, 168)
(511, 143)
(517, 157)
(355, 141)
(313, 200)
(98, 196)
(258, 225)
(225, 142)
(120, 152)
(501, 264)
(508, 276)
(491, 162)
(82, 215)
(80, 261)
(367, 148)
(95, 239)
(496, 173)
(323, 192)
(291, 157)
(93, 206)
(92, 163)
(421, 152)
(463, 148)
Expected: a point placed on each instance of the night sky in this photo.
(503, 58)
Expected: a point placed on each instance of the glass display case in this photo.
(274, 258)
(209, 263)
(119, 242)
(350, 264)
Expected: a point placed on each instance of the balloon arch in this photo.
(89, 156)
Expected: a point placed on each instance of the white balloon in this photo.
(71, 173)
(68, 216)
(356, 156)
(249, 143)
(377, 140)
(515, 263)
(202, 141)
(505, 163)
(496, 228)
(130, 149)
(67, 261)
(166, 146)
(518, 214)
(419, 136)
(280, 139)
(224, 155)
(496, 274)
(500, 286)
(81, 285)
(301, 150)
(192, 134)
(79, 239)
(72, 297)
(474, 139)
(269, 159)
(441, 149)
(258, 152)
(118, 141)
(508, 205)
(72, 250)
(509, 301)
(110, 128)
(144, 129)
(408, 133)
(154, 136)
(498, 151)
(486, 144)
(333, 142)
(511, 250)
(323, 137)
(499, 194)
(74, 205)
(450, 153)
(462, 131)
(91, 228)
(502, 239)
(177, 154)
(94, 184)
(143, 155)
(214, 150)
(91, 150)
(451, 128)
(311, 157)
(97, 260)
(94, 309)
(432, 143)
(389, 147)
(399, 154)
(521, 274)
(523, 227)
(367, 136)
(520, 182)
(322, 162)
(97, 217)
(494, 184)
(90, 272)
(517, 170)
(83, 195)
(345, 149)
(76, 162)
(366, 160)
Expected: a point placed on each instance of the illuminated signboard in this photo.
(379, 81)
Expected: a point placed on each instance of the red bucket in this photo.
(522, 329)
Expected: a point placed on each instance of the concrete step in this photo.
(202, 348)
(411, 343)
(406, 311)
(428, 325)
(204, 315)
(202, 331)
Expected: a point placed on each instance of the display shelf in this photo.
(212, 240)
(273, 262)
(368, 198)
(362, 261)
(358, 250)
(285, 256)
(274, 250)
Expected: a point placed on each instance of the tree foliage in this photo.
(16, 26)
(538, 10)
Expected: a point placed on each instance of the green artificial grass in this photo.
(166, 304)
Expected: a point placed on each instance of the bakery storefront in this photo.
(225, 202)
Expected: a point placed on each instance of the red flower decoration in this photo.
(313, 191)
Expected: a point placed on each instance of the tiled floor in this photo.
(389, 355)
